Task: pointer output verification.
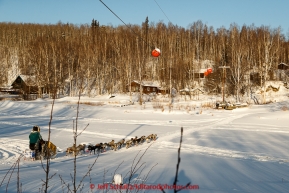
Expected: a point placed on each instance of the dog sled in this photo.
(48, 150)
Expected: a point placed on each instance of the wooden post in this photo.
(224, 75)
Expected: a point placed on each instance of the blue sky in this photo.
(216, 13)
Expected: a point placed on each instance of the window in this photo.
(154, 89)
(148, 88)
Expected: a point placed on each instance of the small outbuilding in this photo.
(283, 66)
(25, 84)
(200, 74)
(147, 87)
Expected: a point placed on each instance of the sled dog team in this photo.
(101, 147)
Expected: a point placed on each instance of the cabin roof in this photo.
(29, 80)
(202, 70)
(148, 83)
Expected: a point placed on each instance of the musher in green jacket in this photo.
(34, 139)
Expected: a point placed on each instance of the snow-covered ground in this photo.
(223, 151)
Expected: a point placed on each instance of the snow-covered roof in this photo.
(205, 63)
(203, 70)
(148, 83)
(283, 64)
(29, 80)
(6, 88)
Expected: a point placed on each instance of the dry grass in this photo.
(171, 107)
(188, 108)
(207, 105)
(113, 102)
(11, 99)
(157, 105)
(93, 103)
(179, 107)
(284, 108)
(90, 103)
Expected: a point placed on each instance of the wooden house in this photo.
(283, 66)
(282, 73)
(279, 74)
(200, 74)
(25, 84)
(147, 87)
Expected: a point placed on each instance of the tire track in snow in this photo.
(133, 122)
(223, 124)
(220, 152)
(200, 126)
(11, 149)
